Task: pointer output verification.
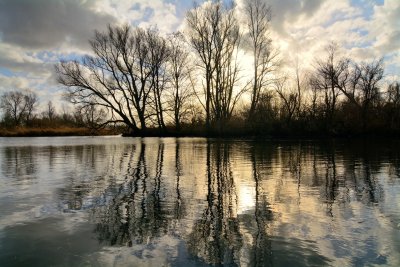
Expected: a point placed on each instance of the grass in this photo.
(52, 131)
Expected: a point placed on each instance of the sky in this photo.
(36, 34)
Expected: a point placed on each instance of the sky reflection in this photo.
(199, 202)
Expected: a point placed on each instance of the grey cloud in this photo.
(290, 10)
(44, 24)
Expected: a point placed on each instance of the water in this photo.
(112, 201)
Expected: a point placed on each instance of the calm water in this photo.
(112, 201)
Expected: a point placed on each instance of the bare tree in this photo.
(289, 96)
(393, 104)
(215, 36)
(361, 86)
(18, 106)
(265, 57)
(225, 79)
(180, 71)
(202, 23)
(158, 55)
(92, 117)
(50, 111)
(394, 93)
(329, 74)
(31, 101)
(117, 77)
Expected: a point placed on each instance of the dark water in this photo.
(112, 201)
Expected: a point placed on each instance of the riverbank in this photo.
(193, 132)
(56, 131)
(276, 133)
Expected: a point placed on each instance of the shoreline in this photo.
(81, 131)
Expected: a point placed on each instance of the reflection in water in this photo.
(19, 163)
(204, 202)
(261, 254)
(216, 236)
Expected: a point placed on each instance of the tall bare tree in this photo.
(202, 23)
(265, 57)
(158, 55)
(215, 36)
(226, 42)
(180, 72)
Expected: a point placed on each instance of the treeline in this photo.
(20, 111)
(198, 82)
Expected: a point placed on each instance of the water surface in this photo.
(113, 201)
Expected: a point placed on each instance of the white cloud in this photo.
(143, 13)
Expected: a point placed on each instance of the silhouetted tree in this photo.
(393, 105)
(328, 76)
(361, 85)
(289, 96)
(265, 57)
(215, 36)
(158, 57)
(180, 71)
(118, 77)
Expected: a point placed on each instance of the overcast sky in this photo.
(35, 34)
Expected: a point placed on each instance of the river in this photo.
(114, 201)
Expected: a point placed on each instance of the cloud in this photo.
(286, 13)
(10, 83)
(144, 13)
(36, 34)
(18, 61)
(44, 24)
(385, 27)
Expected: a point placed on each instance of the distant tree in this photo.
(394, 94)
(50, 112)
(31, 101)
(361, 86)
(328, 75)
(393, 105)
(18, 106)
(91, 116)
(289, 97)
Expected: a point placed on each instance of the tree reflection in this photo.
(19, 163)
(261, 254)
(138, 210)
(149, 202)
(216, 236)
(179, 207)
(336, 170)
